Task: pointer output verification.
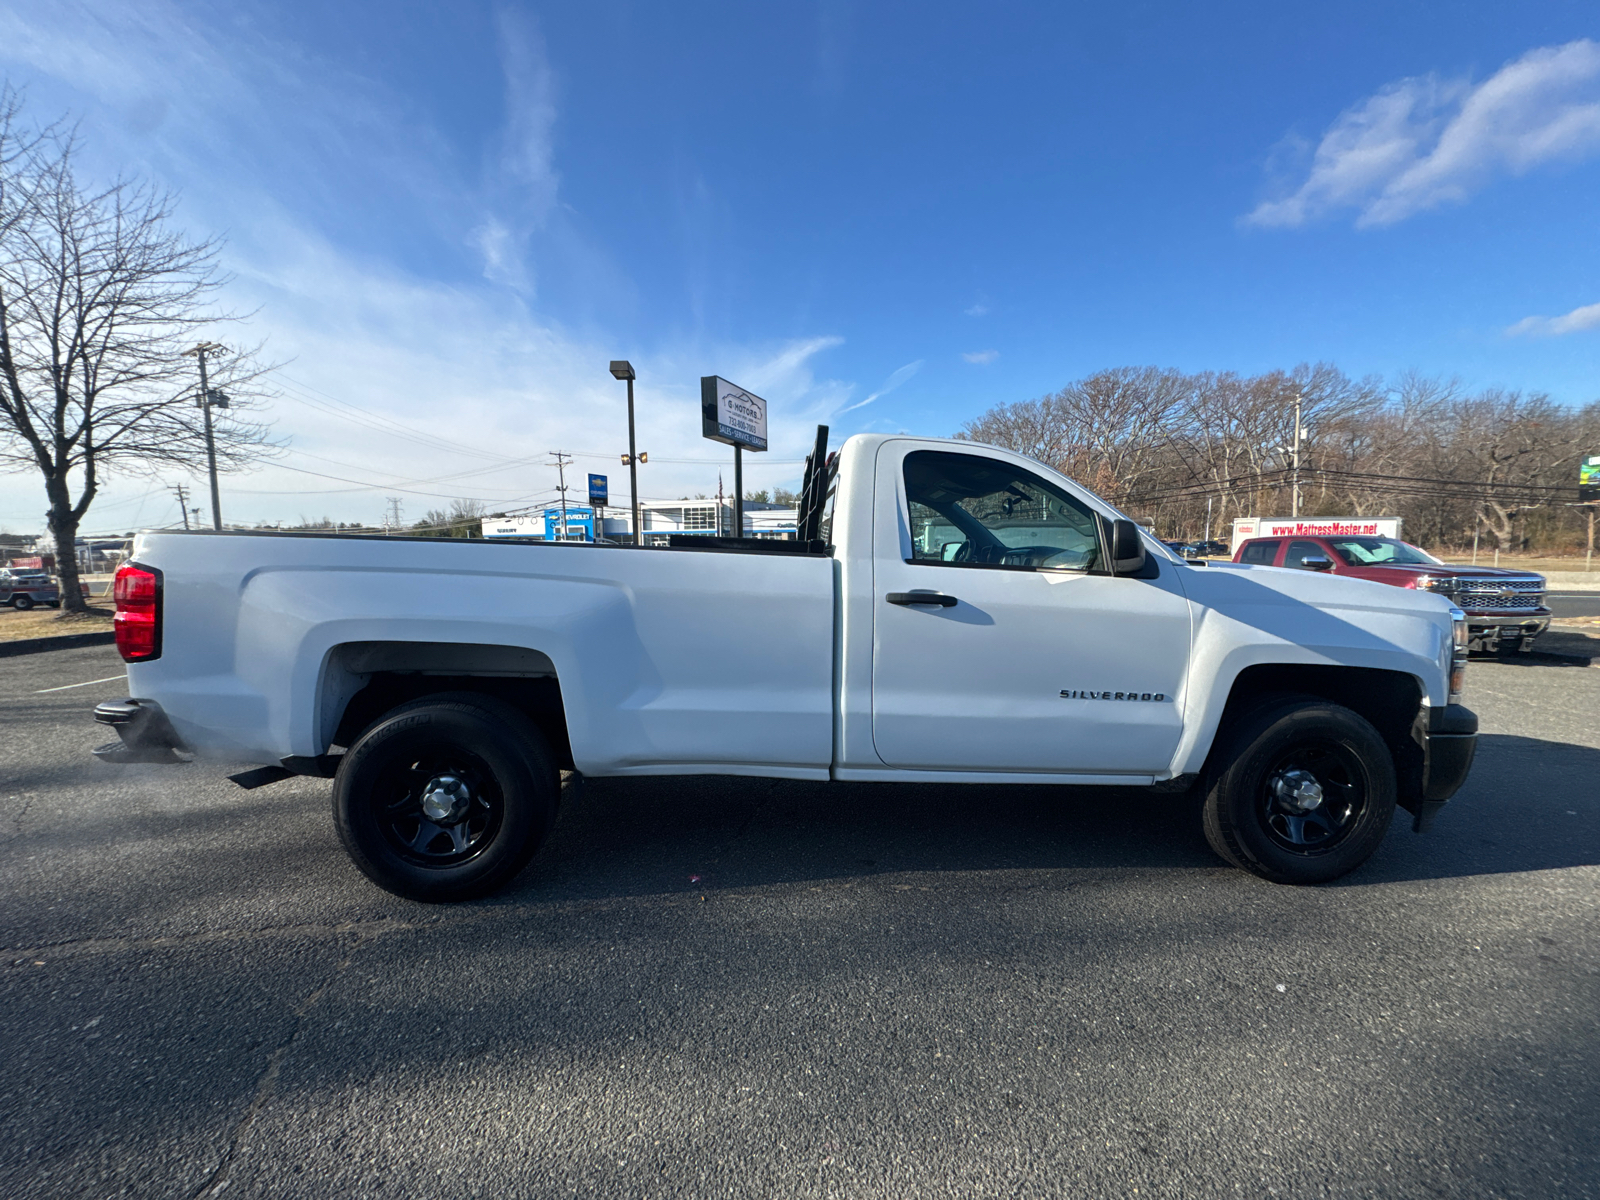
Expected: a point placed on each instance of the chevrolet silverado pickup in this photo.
(1505, 609)
(950, 611)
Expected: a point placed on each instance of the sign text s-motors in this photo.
(730, 414)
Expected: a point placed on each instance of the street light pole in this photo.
(623, 369)
(200, 353)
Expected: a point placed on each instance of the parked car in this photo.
(1505, 609)
(1211, 549)
(23, 589)
(957, 613)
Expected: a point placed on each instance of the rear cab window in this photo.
(1261, 552)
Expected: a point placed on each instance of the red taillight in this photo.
(138, 619)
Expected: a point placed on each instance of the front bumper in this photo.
(145, 735)
(1514, 629)
(1448, 738)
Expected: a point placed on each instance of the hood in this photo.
(1455, 571)
(1321, 590)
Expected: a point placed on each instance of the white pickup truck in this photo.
(951, 612)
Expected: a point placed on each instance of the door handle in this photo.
(938, 599)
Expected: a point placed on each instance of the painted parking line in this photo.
(85, 683)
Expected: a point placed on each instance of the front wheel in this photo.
(22, 603)
(446, 798)
(1302, 792)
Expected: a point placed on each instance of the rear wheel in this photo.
(446, 798)
(1302, 792)
(22, 603)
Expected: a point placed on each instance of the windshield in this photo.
(1380, 552)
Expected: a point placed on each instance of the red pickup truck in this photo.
(1505, 609)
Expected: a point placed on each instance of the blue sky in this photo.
(884, 217)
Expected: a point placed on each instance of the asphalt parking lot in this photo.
(748, 988)
(1574, 604)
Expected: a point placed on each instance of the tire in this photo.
(22, 603)
(491, 804)
(55, 604)
(1259, 813)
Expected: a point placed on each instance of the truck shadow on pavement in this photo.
(1529, 806)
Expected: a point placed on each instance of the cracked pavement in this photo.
(869, 991)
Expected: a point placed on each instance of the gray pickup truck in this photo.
(24, 589)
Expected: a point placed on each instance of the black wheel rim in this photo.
(1312, 798)
(411, 793)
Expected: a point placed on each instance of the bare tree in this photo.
(99, 297)
(464, 519)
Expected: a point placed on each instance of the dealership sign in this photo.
(1589, 480)
(732, 415)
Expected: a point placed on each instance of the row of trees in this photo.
(1453, 463)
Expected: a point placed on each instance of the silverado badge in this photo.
(1074, 694)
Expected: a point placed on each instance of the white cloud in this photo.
(265, 143)
(1424, 142)
(523, 182)
(980, 308)
(982, 357)
(895, 380)
(1576, 321)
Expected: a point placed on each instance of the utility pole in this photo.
(207, 399)
(1207, 538)
(561, 470)
(1295, 457)
(183, 502)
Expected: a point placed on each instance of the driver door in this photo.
(996, 646)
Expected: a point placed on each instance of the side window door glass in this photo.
(1298, 552)
(1260, 553)
(974, 511)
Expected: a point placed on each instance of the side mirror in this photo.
(1126, 547)
(1316, 562)
(949, 550)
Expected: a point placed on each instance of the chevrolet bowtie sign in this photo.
(732, 415)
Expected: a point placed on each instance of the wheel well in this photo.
(363, 680)
(1390, 700)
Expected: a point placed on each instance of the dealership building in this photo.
(661, 519)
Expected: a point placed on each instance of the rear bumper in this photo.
(1449, 740)
(143, 731)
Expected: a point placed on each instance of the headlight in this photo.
(1459, 640)
(1435, 583)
